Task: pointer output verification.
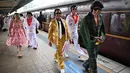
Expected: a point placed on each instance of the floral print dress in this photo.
(17, 36)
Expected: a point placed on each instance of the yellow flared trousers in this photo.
(58, 54)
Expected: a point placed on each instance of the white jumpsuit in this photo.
(31, 31)
(73, 30)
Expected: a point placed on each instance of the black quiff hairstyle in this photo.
(56, 10)
(29, 13)
(96, 4)
(73, 6)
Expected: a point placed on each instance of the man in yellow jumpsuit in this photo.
(58, 34)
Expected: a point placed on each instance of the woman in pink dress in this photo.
(17, 36)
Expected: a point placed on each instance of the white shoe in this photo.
(55, 60)
(62, 71)
(66, 55)
(80, 58)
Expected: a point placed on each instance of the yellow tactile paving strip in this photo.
(105, 68)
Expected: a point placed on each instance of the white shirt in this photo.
(32, 28)
(72, 26)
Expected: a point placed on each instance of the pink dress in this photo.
(17, 37)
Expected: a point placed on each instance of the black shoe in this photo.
(34, 48)
(29, 46)
(86, 67)
(5, 30)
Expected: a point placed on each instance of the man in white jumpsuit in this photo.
(6, 23)
(72, 21)
(31, 23)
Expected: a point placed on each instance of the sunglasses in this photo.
(73, 9)
(58, 13)
(97, 9)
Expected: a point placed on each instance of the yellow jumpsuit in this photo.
(53, 37)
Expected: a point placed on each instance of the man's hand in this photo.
(70, 41)
(50, 44)
(100, 39)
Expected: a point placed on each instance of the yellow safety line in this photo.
(105, 68)
(99, 65)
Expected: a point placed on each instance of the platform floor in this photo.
(41, 60)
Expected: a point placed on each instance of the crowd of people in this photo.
(90, 35)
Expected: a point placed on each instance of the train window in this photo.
(120, 24)
(106, 20)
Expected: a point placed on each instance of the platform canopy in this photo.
(8, 6)
(46, 4)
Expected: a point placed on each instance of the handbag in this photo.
(37, 31)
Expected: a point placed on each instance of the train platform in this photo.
(41, 60)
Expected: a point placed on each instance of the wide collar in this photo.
(55, 20)
(92, 18)
(72, 14)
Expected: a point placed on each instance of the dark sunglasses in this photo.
(97, 9)
(58, 13)
(73, 9)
